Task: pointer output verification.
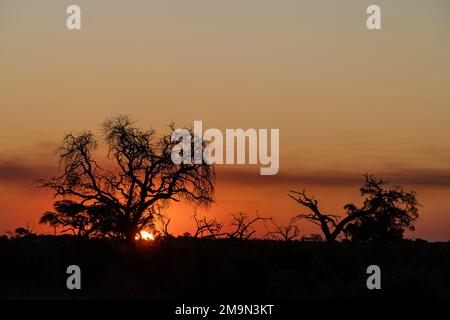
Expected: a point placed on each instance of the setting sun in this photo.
(144, 235)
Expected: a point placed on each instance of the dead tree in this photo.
(330, 224)
(164, 222)
(288, 232)
(243, 227)
(207, 228)
(385, 213)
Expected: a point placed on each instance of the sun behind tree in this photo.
(141, 177)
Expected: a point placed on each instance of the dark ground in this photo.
(192, 269)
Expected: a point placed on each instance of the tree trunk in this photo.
(130, 235)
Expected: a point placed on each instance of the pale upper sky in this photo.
(345, 98)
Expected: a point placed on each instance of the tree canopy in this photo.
(125, 193)
(386, 213)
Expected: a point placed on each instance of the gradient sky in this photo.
(346, 100)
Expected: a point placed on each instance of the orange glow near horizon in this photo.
(145, 235)
(346, 100)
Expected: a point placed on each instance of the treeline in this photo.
(128, 195)
(385, 215)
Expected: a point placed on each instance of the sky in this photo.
(346, 100)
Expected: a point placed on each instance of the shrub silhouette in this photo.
(21, 232)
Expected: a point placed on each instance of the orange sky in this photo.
(346, 100)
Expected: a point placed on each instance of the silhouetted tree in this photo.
(207, 228)
(139, 176)
(288, 232)
(385, 214)
(331, 225)
(164, 224)
(85, 221)
(243, 225)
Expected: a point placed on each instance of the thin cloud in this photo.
(420, 177)
(17, 173)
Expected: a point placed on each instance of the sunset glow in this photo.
(339, 113)
(145, 235)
